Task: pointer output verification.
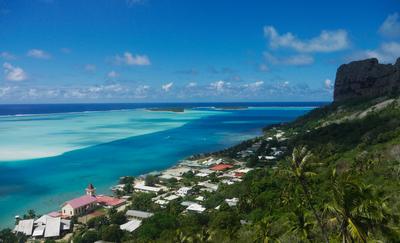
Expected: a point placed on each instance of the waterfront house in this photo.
(109, 202)
(53, 227)
(79, 206)
(25, 227)
(141, 187)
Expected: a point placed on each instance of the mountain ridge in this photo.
(366, 79)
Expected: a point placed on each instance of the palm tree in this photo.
(356, 209)
(264, 229)
(299, 171)
(301, 226)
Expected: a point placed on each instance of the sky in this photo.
(98, 51)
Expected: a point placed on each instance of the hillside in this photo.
(352, 178)
(336, 180)
(343, 185)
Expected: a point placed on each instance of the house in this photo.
(221, 167)
(195, 207)
(232, 201)
(199, 198)
(79, 206)
(187, 203)
(136, 214)
(53, 227)
(141, 187)
(161, 202)
(212, 161)
(25, 227)
(50, 227)
(171, 197)
(208, 186)
(110, 202)
(183, 191)
(87, 203)
(131, 225)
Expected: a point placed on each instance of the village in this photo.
(189, 183)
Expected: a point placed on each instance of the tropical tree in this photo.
(265, 230)
(299, 172)
(357, 209)
(301, 226)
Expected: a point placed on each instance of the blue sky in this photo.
(55, 51)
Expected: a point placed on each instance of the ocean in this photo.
(49, 153)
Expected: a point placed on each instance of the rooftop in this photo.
(25, 227)
(81, 201)
(221, 167)
(138, 214)
(109, 201)
(131, 225)
(53, 227)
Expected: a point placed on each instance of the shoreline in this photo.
(180, 162)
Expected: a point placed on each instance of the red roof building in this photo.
(109, 201)
(239, 174)
(221, 167)
(81, 201)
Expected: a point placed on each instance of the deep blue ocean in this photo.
(154, 141)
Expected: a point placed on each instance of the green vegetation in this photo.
(338, 182)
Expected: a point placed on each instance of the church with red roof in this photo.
(87, 203)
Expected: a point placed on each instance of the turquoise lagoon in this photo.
(46, 159)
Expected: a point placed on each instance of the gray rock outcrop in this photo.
(366, 78)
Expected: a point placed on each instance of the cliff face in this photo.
(366, 78)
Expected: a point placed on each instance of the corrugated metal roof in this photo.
(53, 226)
(131, 225)
(138, 214)
(25, 226)
(39, 231)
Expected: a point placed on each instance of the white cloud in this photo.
(167, 87)
(254, 86)
(391, 26)
(191, 85)
(129, 59)
(90, 67)
(4, 91)
(14, 73)
(106, 88)
(387, 52)
(141, 91)
(328, 84)
(112, 74)
(37, 53)
(220, 85)
(295, 60)
(327, 41)
(7, 55)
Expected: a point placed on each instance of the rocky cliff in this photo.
(366, 78)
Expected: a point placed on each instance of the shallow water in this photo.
(105, 145)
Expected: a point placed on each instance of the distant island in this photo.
(232, 107)
(169, 109)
